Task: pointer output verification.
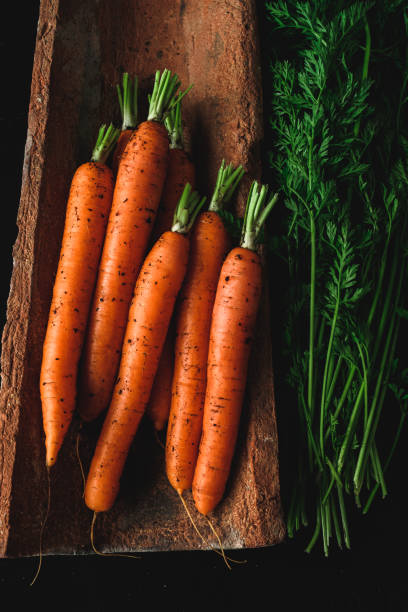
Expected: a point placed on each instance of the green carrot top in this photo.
(164, 96)
(174, 127)
(228, 180)
(107, 138)
(187, 210)
(128, 102)
(256, 213)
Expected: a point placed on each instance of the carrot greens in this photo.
(340, 160)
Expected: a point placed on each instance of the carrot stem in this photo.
(163, 97)
(105, 142)
(227, 181)
(128, 102)
(256, 213)
(174, 127)
(187, 210)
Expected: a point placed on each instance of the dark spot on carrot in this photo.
(227, 278)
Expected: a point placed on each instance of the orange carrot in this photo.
(180, 172)
(137, 193)
(128, 109)
(158, 407)
(232, 329)
(152, 305)
(88, 206)
(209, 245)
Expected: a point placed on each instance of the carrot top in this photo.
(164, 95)
(227, 181)
(128, 102)
(187, 210)
(106, 140)
(256, 213)
(174, 127)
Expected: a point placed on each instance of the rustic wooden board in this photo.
(81, 51)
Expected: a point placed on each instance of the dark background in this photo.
(371, 576)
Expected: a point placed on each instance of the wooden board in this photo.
(81, 51)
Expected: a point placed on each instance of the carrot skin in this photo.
(87, 213)
(232, 328)
(150, 312)
(123, 140)
(180, 171)
(158, 407)
(209, 244)
(136, 198)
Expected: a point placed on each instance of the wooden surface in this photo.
(81, 51)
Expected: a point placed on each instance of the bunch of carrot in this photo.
(111, 323)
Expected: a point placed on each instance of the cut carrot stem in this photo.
(127, 96)
(156, 289)
(232, 330)
(88, 207)
(209, 244)
(138, 190)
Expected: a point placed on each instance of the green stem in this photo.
(380, 387)
(312, 300)
(227, 181)
(343, 516)
(187, 210)
(256, 213)
(326, 366)
(333, 382)
(364, 75)
(107, 138)
(174, 127)
(164, 96)
(316, 532)
(378, 471)
(350, 430)
(387, 463)
(128, 102)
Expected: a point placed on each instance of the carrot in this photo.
(136, 197)
(152, 305)
(129, 112)
(180, 171)
(158, 407)
(232, 328)
(209, 245)
(88, 206)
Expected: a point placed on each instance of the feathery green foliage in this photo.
(340, 159)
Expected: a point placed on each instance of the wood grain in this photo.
(81, 51)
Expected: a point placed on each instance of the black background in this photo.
(372, 576)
